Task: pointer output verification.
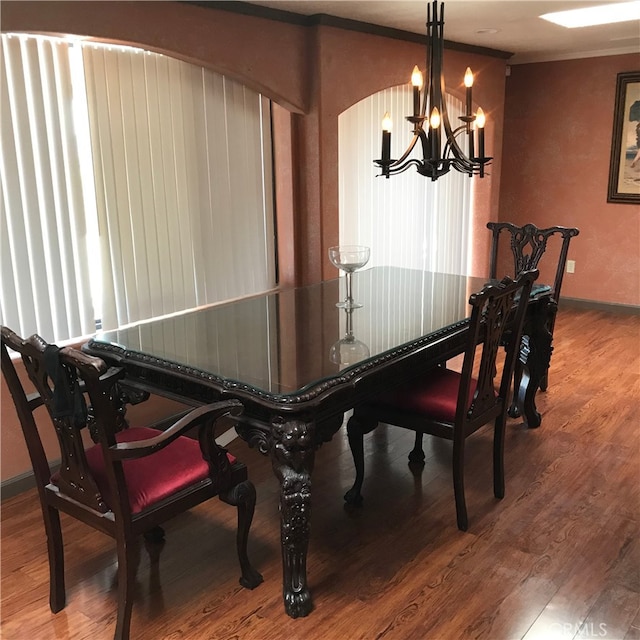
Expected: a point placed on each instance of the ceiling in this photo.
(507, 25)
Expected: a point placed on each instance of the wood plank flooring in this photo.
(558, 558)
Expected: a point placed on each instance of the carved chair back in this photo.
(528, 244)
(495, 309)
(60, 392)
(452, 405)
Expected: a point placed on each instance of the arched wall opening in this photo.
(407, 220)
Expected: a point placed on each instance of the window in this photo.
(133, 185)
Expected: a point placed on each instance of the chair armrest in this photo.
(208, 414)
(89, 365)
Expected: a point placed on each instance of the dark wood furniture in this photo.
(528, 244)
(274, 352)
(453, 405)
(132, 479)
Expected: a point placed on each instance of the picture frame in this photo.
(624, 165)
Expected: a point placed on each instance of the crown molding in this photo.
(322, 19)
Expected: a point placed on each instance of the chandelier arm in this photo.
(462, 162)
(396, 168)
(451, 134)
(420, 135)
(464, 166)
(456, 132)
(457, 151)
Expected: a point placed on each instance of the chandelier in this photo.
(441, 150)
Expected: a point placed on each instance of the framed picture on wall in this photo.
(624, 167)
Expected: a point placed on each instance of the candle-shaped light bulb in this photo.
(481, 120)
(416, 77)
(434, 120)
(416, 81)
(386, 137)
(468, 78)
(468, 83)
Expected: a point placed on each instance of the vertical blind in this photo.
(178, 204)
(416, 302)
(44, 284)
(185, 207)
(407, 220)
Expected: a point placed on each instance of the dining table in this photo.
(298, 362)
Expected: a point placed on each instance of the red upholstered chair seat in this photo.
(155, 477)
(434, 396)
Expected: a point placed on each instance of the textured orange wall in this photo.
(14, 458)
(557, 141)
(315, 72)
(234, 45)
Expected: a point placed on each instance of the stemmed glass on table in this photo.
(349, 258)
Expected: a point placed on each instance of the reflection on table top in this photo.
(282, 342)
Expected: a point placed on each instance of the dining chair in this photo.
(133, 478)
(451, 404)
(528, 245)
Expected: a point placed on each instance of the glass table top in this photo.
(284, 341)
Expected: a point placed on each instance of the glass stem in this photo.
(349, 334)
(349, 296)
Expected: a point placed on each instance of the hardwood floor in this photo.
(558, 558)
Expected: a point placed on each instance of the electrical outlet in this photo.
(571, 266)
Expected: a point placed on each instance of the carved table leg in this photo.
(535, 357)
(292, 457)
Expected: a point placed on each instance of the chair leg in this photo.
(458, 483)
(154, 543)
(544, 382)
(355, 431)
(243, 496)
(498, 457)
(514, 411)
(154, 535)
(55, 550)
(416, 456)
(128, 557)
